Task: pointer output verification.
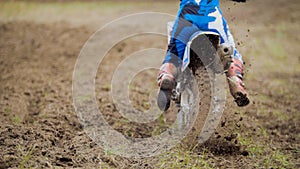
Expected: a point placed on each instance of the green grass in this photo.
(26, 155)
(106, 87)
(275, 44)
(16, 119)
(254, 149)
(180, 157)
(77, 11)
(7, 111)
(17, 8)
(277, 160)
(263, 152)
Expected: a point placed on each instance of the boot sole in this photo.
(164, 95)
(241, 99)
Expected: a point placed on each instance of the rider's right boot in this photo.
(166, 82)
(236, 85)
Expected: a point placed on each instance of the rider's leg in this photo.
(235, 76)
(236, 85)
(235, 69)
(181, 33)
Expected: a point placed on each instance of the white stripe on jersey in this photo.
(218, 24)
(198, 1)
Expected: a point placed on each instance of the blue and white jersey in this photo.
(193, 16)
(201, 2)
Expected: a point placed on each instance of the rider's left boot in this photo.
(166, 82)
(236, 85)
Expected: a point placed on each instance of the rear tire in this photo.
(204, 90)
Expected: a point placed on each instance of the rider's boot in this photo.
(166, 82)
(236, 85)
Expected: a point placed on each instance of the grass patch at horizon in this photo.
(77, 11)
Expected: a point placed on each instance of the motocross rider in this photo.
(205, 15)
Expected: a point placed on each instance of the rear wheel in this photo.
(199, 105)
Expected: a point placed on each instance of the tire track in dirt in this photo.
(37, 116)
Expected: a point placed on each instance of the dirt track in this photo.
(39, 127)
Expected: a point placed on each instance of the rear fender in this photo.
(186, 57)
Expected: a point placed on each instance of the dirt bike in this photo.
(200, 83)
